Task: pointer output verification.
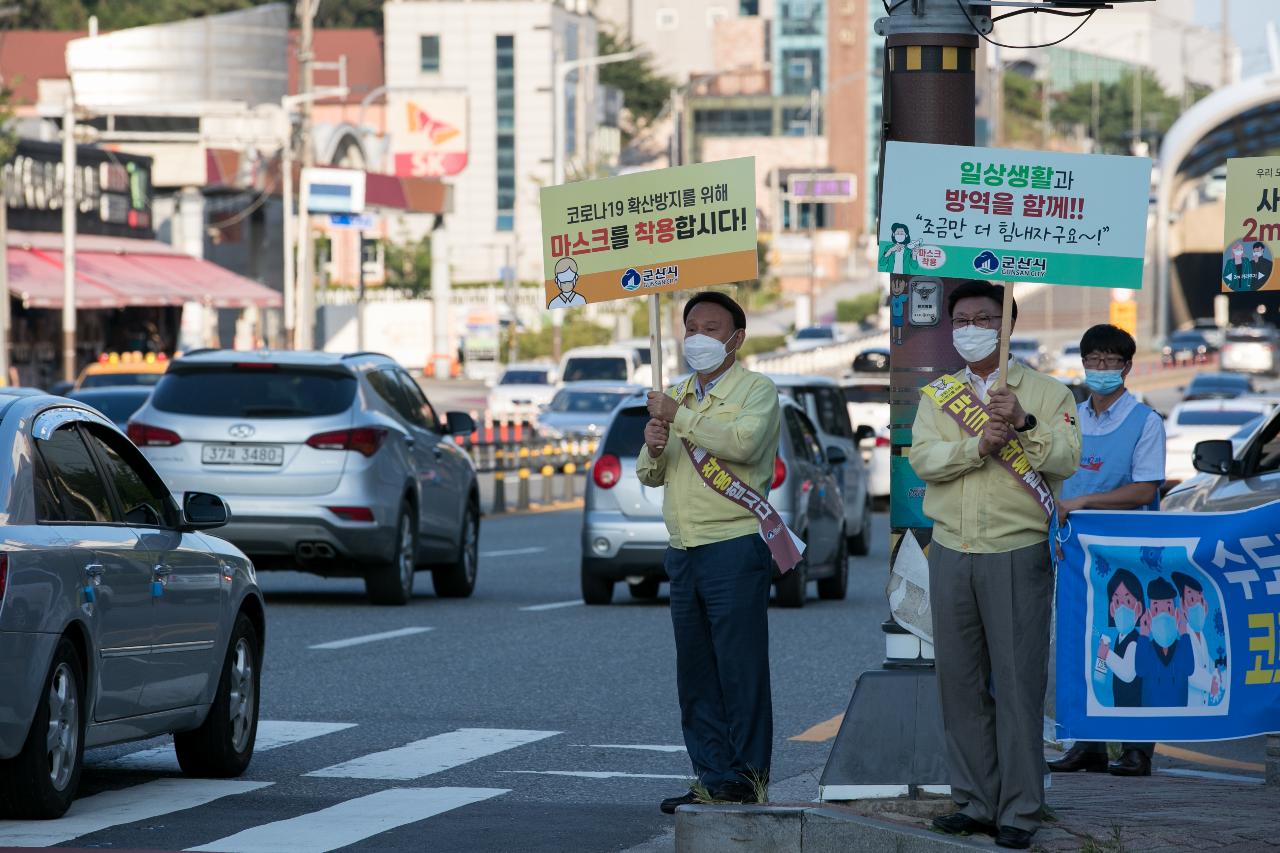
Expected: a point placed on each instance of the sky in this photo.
(1248, 25)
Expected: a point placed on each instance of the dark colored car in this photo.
(874, 360)
(1187, 347)
(1218, 386)
(118, 403)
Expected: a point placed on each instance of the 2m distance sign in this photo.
(1252, 224)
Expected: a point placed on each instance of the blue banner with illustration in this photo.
(1168, 625)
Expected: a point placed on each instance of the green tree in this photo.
(8, 138)
(120, 14)
(644, 90)
(1021, 109)
(1115, 110)
(408, 266)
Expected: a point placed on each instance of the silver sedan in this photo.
(119, 619)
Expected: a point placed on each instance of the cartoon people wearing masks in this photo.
(903, 250)
(898, 309)
(1237, 270)
(1205, 684)
(1166, 663)
(1261, 265)
(567, 281)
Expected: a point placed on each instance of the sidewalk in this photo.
(1163, 813)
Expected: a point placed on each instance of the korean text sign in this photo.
(1169, 625)
(1009, 215)
(649, 232)
(1252, 224)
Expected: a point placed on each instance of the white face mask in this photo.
(566, 281)
(704, 353)
(974, 343)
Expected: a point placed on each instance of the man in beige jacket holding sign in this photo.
(993, 457)
(711, 442)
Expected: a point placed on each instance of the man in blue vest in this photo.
(1121, 467)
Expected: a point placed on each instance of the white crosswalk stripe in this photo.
(351, 821)
(116, 808)
(433, 755)
(272, 734)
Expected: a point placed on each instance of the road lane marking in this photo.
(1209, 774)
(350, 822)
(272, 734)
(517, 552)
(601, 774)
(433, 755)
(555, 605)
(1205, 758)
(370, 638)
(116, 808)
(821, 732)
(651, 747)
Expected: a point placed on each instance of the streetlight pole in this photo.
(814, 98)
(69, 208)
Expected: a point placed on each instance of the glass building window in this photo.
(733, 122)
(802, 71)
(429, 54)
(800, 17)
(505, 79)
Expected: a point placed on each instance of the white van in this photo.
(601, 364)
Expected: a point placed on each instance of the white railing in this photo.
(833, 360)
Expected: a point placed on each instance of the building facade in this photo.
(489, 68)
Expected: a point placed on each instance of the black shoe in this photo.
(670, 804)
(959, 823)
(735, 792)
(1134, 762)
(1080, 757)
(1011, 836)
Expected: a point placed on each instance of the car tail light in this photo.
(607, 471)
(352, 513)
(363, 440)
(145, 435)
(4, 574)
(779, 472)
(882, 441)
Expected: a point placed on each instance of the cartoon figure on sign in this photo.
(1125, 608)
(1261, 265)
(1206, 683)
(567, 281)
(1237, 270)
(903, 250)
(1166, 662)
(898, 308)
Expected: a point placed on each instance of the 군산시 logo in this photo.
(631, 280)
(987, 263)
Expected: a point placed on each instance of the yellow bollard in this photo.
(547, 473)
(499, 492)
(522, 497)
(570, 487)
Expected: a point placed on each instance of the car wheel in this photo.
(835, 587)
(860, 545)
(223, 745)
(646, 590)
(793, 587)
(392, 582)
(40, 782)
(595, 589)
(458, 580)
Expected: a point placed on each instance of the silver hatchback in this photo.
(624, 537)
(119, 620)
(332, 464)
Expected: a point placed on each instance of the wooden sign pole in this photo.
(1006, 328)
(655, 342)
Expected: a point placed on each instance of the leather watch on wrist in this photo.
(1028, 424)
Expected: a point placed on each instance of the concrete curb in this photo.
(802, 829)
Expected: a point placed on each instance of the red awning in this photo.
(116, 272)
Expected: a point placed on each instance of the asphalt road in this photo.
(520, 720)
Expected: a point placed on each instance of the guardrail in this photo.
(834, 359)
(513, 450)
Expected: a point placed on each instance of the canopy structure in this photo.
(1242, 120)
(117, 272)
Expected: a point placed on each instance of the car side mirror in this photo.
(1216, 456)
(864, 432)
(459, 423)
(203, 511)
(836, 456)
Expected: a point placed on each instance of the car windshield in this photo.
(1249, 338)
(586, 402)
(524, 377)
(1074, 349)
(254, 392)
(1187, 338)
(108, 380)
(626, 433)
(1247, 430)
(117, 407)
(1212, 417)
(1219, 383)
(815, 332)
(1024, 346)
(595, 368)
(866, 393)
(644, 355)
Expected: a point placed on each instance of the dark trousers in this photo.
(720, 612)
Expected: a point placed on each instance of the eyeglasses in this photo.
(1098, 362)
(982, 321)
